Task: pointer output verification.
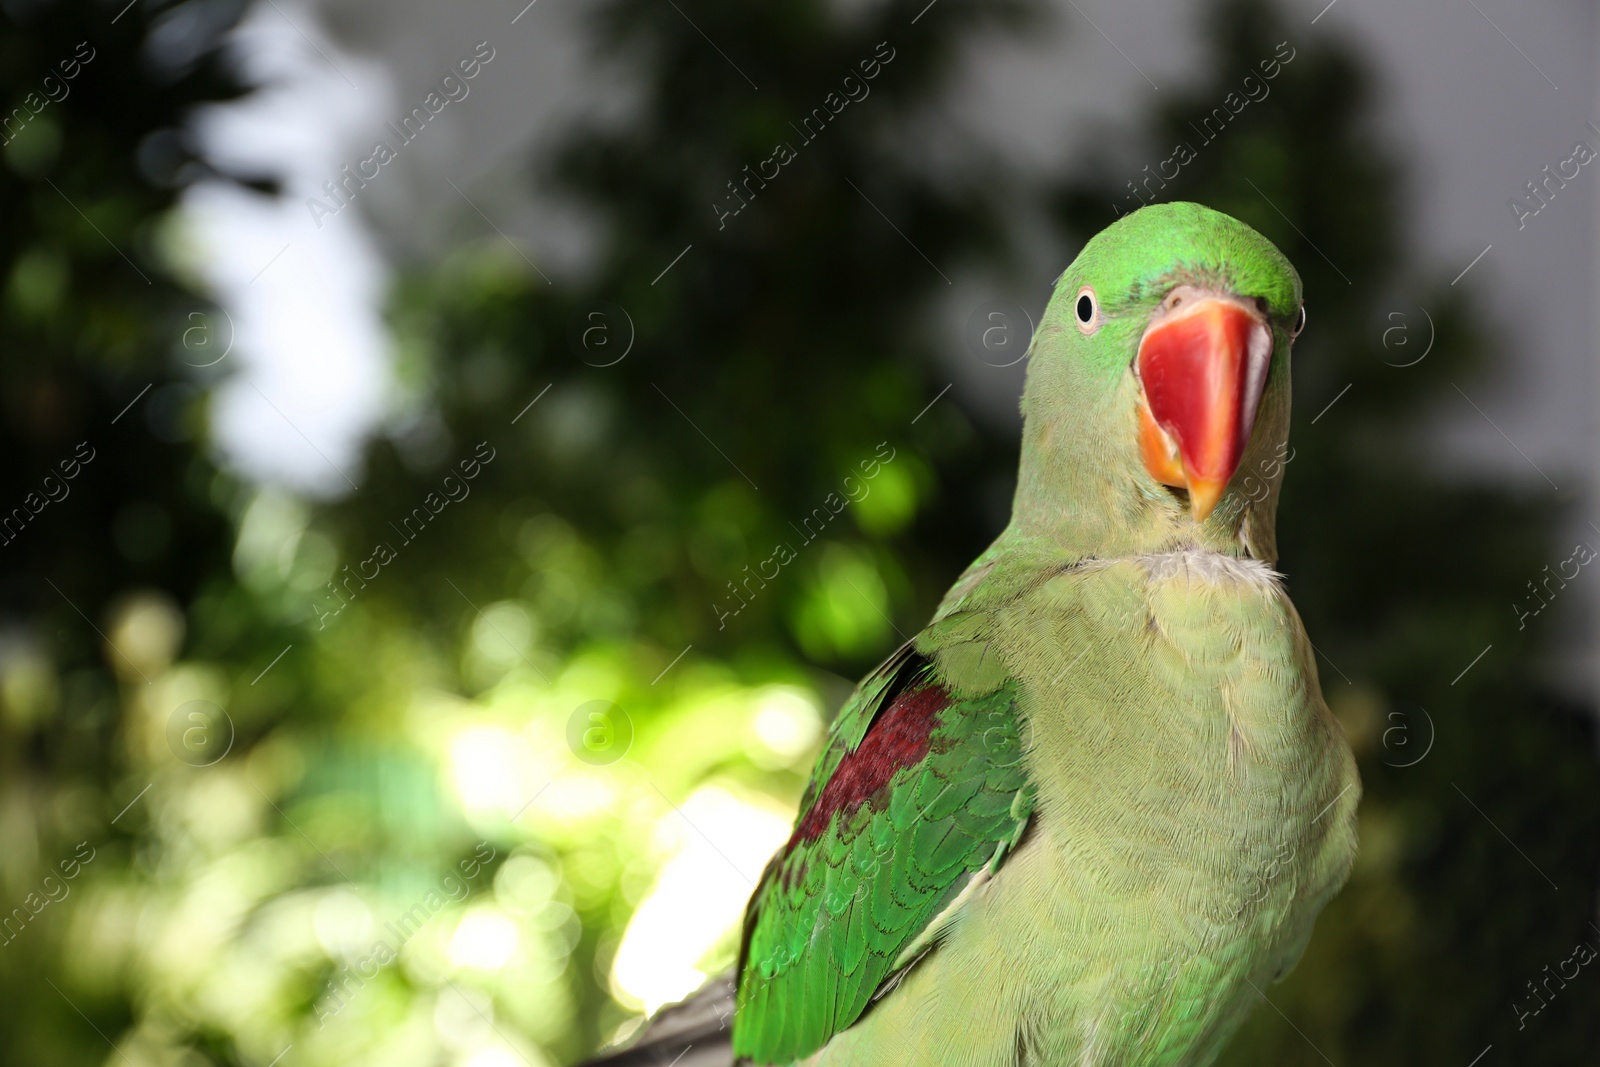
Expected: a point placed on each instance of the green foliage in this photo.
(108, 521)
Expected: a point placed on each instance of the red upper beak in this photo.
(1202, 368)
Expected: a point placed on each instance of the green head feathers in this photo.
(1178, 317)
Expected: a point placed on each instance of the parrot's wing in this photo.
(918, 796)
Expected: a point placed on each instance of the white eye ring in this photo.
(1086, 310)
(1299, 323)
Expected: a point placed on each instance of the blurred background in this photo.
(401, 399)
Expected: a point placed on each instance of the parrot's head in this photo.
(1157, 406)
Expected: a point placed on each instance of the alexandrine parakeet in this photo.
(1089, 814)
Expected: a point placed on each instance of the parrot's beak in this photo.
(1202, 365)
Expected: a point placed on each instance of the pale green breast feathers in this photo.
(1190, 810)
(1177, 734)
(1199, 798)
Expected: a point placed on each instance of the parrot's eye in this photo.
(1299, 323)
(1086, 310)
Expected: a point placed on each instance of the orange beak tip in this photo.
(1204, 495)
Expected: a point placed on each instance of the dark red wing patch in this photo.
(898, 737)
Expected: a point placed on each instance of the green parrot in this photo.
(1090, 813)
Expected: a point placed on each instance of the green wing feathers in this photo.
(919, 790)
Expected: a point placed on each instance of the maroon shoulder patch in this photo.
(899, 737)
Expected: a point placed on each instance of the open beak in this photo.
(1201, 370)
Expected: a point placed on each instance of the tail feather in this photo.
(696, 1033)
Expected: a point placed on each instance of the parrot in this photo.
(1091, 811)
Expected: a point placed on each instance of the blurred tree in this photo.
(728, 463)
(1404, 573)
(503, 565)
(107, 526)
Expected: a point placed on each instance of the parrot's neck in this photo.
(1079, 499)
(1076, 507)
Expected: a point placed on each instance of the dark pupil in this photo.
(1085, 308)
(1300, 320)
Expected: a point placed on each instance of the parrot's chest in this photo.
(1194, 809)
(1196, 799)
